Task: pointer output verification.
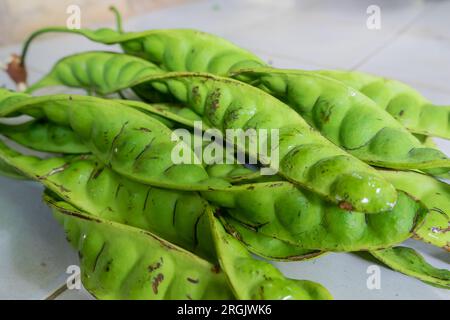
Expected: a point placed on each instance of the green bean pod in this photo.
(133, 145)
(123, 262)
(435, 195)
(404, 103)
(256, 279)
(176, 216)
(265, 246)
(95, 71)
(349, 119)
(8, 171)
(44, 136)
(171, 49)
(411, 263)
(305, 156)
(299, 217)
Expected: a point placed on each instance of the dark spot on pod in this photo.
(192, 280)
(401, 112)
(274, 185)
(143, 129)
(154, 266)
(108, 265)
(217, 212)
(250, 187)
(156, 282)
(215, 268)
(346, 206)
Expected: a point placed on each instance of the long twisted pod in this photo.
(77, 180)
(172, 49)
(404, 103)
(305, 156)
(44, 136)
(349, 119)
(300, 217)
(136, 146)
(255, 279)
(77, 71)
(435, 195)
(176, 216)
(411, 263)
(123, 262)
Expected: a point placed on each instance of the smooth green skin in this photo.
(122, 262)
(171, 49)
(44, 136)
(435, 195)
(299, 217)
(135, 146)
(268, 247)
(256, 279)
(306, 157)
(348, 118)
(426, 140)
(404, 103)
(176, 216)
(411, 263)
(8, 171)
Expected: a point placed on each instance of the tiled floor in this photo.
(413, 45)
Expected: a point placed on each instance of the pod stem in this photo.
(38, 33)
(118, 18)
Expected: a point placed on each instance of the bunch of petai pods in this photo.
(356, 169)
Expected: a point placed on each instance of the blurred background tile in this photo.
(33, 248)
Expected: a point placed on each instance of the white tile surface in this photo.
(81, 294)
(345, 276)
(33, 248)
(328, 33)
(421, 54)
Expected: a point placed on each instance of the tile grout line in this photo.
(388, 42)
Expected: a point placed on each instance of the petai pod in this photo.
(95, 70)
(435, 195)
(411, 263)
(349, 119)
(302, 218)
(177, 216)
(256, 279)
(404, 103)
(9, 171)
(268, 247)
(44, 136)
(133, 145)
(122, 262)
(305, 156)
(171, 49)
